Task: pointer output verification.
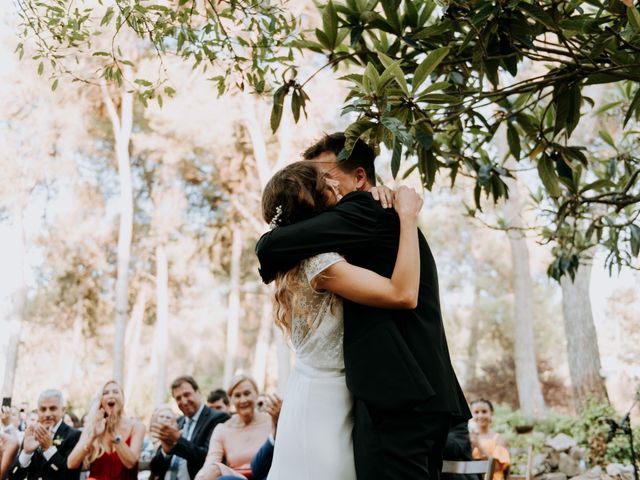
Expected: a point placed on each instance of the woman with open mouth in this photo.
(110, 444)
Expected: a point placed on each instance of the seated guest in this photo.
(8, 451)
(11, 421)
(234, 443)
(47, 443)
(72, 420)
(484, 442)
(183, 443)
(261, 461)
(110, 443)
(218, 400)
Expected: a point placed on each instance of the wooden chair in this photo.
(527, 473)
(485, 467)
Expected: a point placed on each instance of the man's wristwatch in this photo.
(117, 440)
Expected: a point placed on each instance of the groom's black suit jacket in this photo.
(394, 359)
(194, 451)
(64, 440)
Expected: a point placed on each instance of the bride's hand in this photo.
(407, 203)
(382, 194)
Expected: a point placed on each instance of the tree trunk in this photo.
(582, 342)
(14, 326)
(78, 346)
(264, 338)
(14, 323)
(529, 389)
(474, 332)
(133, 343)
(161, 340)
(530, 395)
(233, 309)
(122, 126)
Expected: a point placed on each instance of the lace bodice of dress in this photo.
(317, 318)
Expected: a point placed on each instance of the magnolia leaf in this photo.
(513, 139)
(428, 65)
(278, 105)
(547, 172)
(634, 18)
(635, 105)
(395, 156)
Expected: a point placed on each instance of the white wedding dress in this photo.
(313, 439)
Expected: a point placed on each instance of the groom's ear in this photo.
(362, 181)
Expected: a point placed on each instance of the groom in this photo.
(397, 363)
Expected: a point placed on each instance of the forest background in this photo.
(193, 166)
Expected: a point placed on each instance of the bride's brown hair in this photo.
(295, 193)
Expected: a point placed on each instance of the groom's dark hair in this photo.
(362, 154)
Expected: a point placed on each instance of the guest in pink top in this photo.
(237, 440)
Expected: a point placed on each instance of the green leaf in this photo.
(330, 24)
(295, 106)
(424, 138)
(142, 82)
(54, 85)
(40, 68)
(371, 78)
(513, 139)
(635, 105)
(395, 126)
(428, 66)
(278, 105)
(634, 239)
(538, 14)
(634, 18)
(428, 165)
(547, 173)
(604, 135)
(395, 156)
(598, 184)
(352, 133)
(434, 87)
(107, 17)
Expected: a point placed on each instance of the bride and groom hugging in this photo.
(373, 392)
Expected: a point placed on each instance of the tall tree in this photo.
(582, 341)
(122, 125)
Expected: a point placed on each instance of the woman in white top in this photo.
(313, 440)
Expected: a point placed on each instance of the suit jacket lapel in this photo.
(204, 416)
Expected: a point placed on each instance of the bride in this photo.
(313, 438)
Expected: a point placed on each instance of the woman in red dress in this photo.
(110, 443)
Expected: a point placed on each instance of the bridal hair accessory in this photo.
(276, 218)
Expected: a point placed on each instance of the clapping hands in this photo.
(30, 441)
(100, 423)
(166, 430)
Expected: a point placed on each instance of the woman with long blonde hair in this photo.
(110, 444)
(314, 434)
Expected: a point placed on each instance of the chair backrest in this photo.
(527, 473)
(485, 467)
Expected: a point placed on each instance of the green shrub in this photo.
(589, 429)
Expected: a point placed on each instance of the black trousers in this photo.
(392, 445)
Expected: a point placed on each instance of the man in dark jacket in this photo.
(184, 443)
(399, 434)
(47, 444)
